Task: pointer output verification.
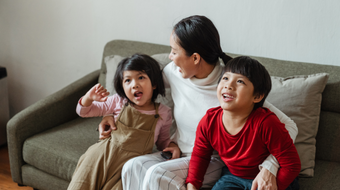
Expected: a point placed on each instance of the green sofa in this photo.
(46, 139)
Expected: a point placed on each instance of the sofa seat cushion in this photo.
(325, 176)
(57, 151)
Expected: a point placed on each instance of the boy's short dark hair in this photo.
(255, 72)
(145, 64)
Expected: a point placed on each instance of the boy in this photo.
(242, 131)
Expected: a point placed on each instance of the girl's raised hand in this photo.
(96, 93)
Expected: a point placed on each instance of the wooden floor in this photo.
(6, 181)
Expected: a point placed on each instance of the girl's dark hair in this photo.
(145, 64)
(197, 34)
(255, 72)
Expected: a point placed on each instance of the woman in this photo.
(192, 76)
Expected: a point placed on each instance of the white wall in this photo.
(46, 45)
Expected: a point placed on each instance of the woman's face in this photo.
(178, 56)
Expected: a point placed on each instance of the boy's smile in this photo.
(227, 97)
(138, 89)
(235, 92)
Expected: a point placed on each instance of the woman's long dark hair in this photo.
(197, 34)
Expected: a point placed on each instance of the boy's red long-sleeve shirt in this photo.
(263, 134)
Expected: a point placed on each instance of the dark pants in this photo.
(230, 182)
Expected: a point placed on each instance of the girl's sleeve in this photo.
(164, 133)
(201, 155)
(271, 163)
(280, 144)
(97, 109)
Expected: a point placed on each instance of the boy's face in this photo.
(235, 92)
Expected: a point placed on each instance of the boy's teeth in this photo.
(227, 96)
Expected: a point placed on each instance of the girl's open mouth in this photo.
(138, 95)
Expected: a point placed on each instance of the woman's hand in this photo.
(174, 149)
(191, 187)
(96, 93)
(264, 180)
(106, 126)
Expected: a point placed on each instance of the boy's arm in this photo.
(271, 163)
(280, 144)
(201, 155)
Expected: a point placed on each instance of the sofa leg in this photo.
(21, 185)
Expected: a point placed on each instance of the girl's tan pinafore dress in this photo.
(100, 166)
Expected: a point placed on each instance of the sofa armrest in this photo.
(45, 114)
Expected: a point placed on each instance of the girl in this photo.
(140, 123)
(192, 77)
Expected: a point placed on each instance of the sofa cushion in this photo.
(57, 151)
(111, 63)
(326, 176)
(299, 97)
(33, 177)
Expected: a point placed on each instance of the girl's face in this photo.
(236, 92)
(178, 56)
(138, 89)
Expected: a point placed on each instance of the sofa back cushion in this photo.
(126, 48)
(299, 97)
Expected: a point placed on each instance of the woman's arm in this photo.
(271, 163)
(106, 126)
(290, 124)
(280, 144)
(268, 169)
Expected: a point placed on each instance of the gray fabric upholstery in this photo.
(50, 151)
(38, 179)
(326, 176)
(46, 139)
(45, 114)
(127, 48)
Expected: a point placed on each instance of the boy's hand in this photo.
(191, 187)
(106, 126)
(174, 149)
(264, 180)
(96, 93)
